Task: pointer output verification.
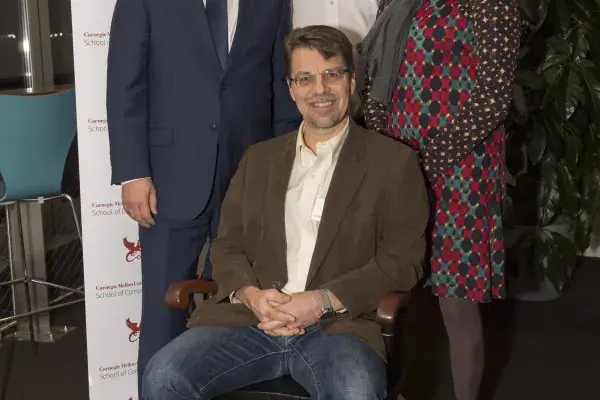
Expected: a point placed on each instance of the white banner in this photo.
(111, 252)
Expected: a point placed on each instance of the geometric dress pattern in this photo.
(448, 103)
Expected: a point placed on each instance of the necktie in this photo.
(216, 12)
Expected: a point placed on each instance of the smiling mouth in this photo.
(321, 104)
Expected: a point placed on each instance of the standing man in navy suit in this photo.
(191, 84)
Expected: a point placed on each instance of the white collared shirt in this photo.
(233, 7)
(353, 17)
(307, 190)
(305, 198)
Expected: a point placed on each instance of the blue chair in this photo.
(36, 132)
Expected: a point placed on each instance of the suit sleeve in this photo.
(398, 264)
(127, 91)
(497, 31)
(286, 117)
(231, 268)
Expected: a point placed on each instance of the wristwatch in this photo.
(328, 310)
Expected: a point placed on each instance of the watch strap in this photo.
(325, 301)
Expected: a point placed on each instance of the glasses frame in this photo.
(343, 71)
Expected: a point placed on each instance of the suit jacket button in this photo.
(213, 127)
(223, 87)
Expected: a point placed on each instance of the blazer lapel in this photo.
(247, 11)
(347, 177)
(195, 11)
(274, 215)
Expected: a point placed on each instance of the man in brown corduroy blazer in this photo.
(316, 226)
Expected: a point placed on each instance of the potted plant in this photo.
(553, 145)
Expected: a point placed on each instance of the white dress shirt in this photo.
(353, 17)
(307, 189)
(233, 7)
(304, 201)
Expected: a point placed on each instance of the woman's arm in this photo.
(496, 28)
(374, 111)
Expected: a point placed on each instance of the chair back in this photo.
(36, 132)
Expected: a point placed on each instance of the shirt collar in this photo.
(332, 146)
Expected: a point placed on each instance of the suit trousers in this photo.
(205, 362)
(170, 252)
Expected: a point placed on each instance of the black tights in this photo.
(465, 335)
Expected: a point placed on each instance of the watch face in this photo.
(328, 314)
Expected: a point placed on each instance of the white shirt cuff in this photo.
(233, 299)
(133, 180)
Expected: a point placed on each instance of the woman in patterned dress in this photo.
(448, 99)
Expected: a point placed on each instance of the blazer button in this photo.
(223, 87)
(213, 127)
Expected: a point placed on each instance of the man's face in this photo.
(322, 89)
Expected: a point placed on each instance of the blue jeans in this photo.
(205, 362)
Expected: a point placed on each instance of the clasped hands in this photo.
(281, 314)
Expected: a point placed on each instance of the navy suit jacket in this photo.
(170, 103)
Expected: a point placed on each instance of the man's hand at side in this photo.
(263, 303)
(139, 201)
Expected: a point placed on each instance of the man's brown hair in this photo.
(328, 41)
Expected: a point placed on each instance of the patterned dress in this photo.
(452, 93)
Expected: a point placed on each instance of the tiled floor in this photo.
(545, 351)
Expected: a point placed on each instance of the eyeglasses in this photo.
(329, 76)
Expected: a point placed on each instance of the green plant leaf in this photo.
(520, 101)
(582, 11)
(542, 13)
(562, 257)
(536, 143)
(590, 157)
(569, 195)
(588, 73)
(540, 252)
(554, 137)
(567, 93)
(528, 9)
(523, 52)
(582, 236)
(547, 258)
(563, 13)
(548, 195)
(561, 45)
(582, 46)
(575, 95)
(589, 200)
(590, 196)
(573, 144)
(530, 79)
(516, 156)
(552, 59)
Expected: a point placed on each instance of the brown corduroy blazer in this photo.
(371, 239)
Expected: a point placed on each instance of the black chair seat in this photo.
(284, 388)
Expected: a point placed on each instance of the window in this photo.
(61, 40)
(12, 68)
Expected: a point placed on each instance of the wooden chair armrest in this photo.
(390, 306)
(178, 294)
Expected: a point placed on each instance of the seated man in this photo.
(316, 227)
